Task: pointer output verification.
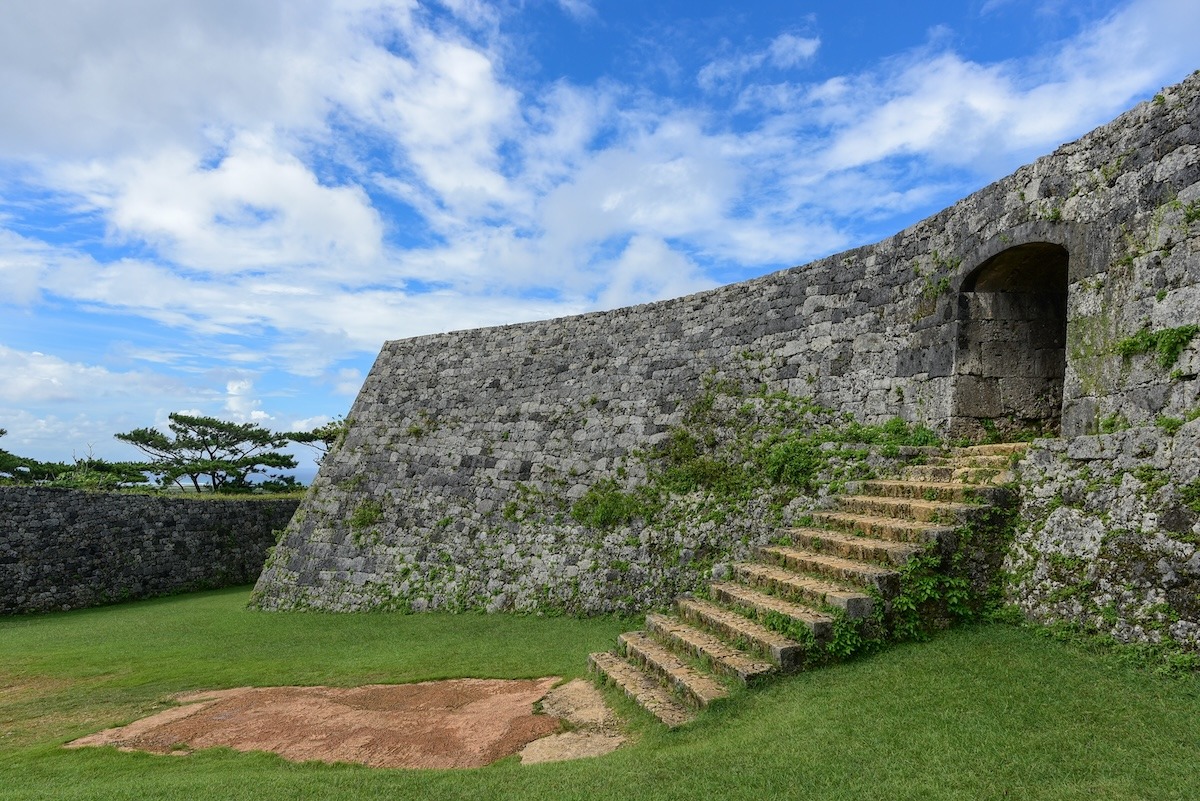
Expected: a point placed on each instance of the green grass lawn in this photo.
(992, 712)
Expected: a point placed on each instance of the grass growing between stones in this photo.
(979, 712)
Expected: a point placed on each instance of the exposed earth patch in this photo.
(462, 723)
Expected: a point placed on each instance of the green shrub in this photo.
(795, 462)
(366, 515)
(606, 506)
(1167, 343)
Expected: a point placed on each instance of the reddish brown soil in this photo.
(447, 724)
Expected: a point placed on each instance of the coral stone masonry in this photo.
(1059, 304)
(68, 549)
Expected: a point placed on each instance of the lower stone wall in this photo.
(1109, 535)
(534, 548)
(67, 549)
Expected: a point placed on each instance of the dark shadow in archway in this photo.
(1011, 351)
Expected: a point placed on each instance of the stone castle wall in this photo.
(935, 325)
(1109, 534)
(68, 549)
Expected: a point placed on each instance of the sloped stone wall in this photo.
(67, 549)
(451, 430)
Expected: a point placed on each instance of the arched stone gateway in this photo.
(1010, 350)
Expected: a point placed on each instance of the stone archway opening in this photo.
(1010, 358)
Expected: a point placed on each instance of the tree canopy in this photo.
(224, 453)
(84, 473)
(323, 438)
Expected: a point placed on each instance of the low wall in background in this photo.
(67, 549)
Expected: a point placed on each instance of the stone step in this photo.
(787, 584)
(693, 686)
(998, 462)
(885, 580)
(719, 655)
(763, 606)
(786, 653)
(885, 528)
(852, 546)
(919, 509)
(951, 491)
(647, 692)
(995, 449)
(978, 476)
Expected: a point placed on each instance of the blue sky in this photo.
(225, 207)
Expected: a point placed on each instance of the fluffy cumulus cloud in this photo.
(272, 189)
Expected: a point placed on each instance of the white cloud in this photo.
(949, 110)
(349, 381)
(37, 378)
(240, 403)
(579, 10)
(784, 52)
(21, 268)
(258, 208)
(788, 50)
(84, 78)
(648, 269)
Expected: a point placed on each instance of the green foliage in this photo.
(935, 288)
(796, 459)
(1110, 424)
(87, 473)
(324, 438)
(1191, 212)
(90, 473)
(1166, 343)
(795, 462)
(733, 446)
(1169, 424)
(225, 453)
(366, 514)
(605, 506)
(1153, 479)
(1190, 495)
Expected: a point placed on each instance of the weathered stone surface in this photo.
(1109, 536)
(68, 549)
(467, 449)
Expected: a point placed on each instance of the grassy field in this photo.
(993, 712)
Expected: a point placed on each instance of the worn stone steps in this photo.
(884, 528)
(919, 509)
(783, 652)
(1006, 449)
(643, 688)
(790, 585)
(947, 491)
(977, 477)
(763, 605)
(696, 688)
(720, 655)
(884, 579)
(845, 561)
(852, 546)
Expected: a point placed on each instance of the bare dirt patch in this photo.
(445, 724)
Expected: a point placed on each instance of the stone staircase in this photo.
(836, 574)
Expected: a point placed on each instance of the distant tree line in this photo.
(204, 454)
